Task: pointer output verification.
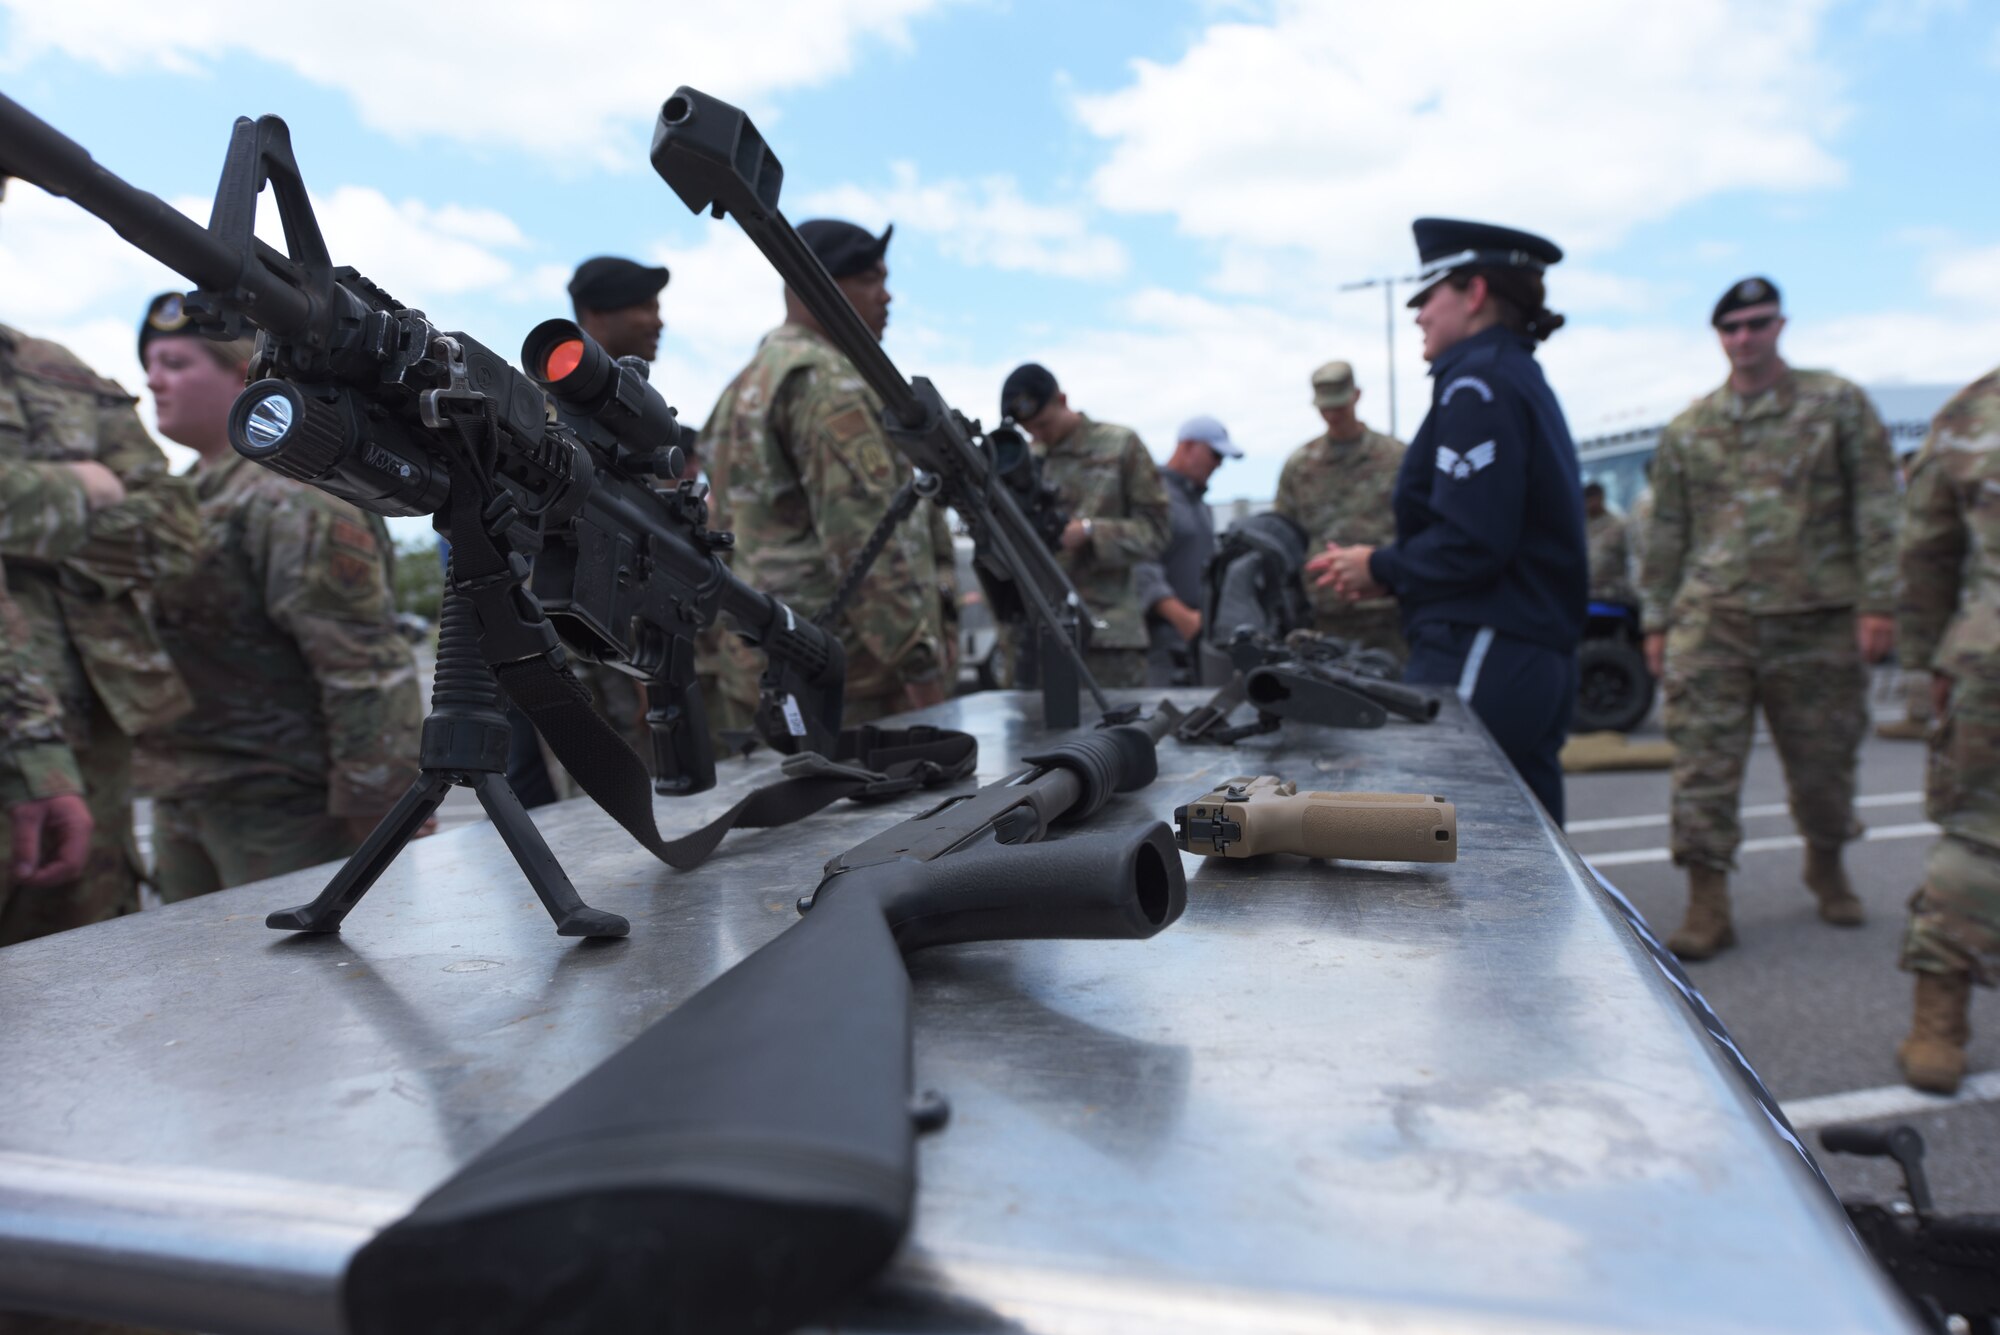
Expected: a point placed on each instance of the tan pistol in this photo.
(1266, 814)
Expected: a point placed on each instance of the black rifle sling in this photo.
(878, 762)
(900, 505)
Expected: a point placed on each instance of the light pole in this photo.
(1388, 286)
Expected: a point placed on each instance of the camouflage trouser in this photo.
(1805, 670)
(242, 832)
(109, 885)
(1370, 628)
(1954, 922)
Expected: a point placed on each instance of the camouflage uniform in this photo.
(801, 472)
(1338, 491)
(1773, 522)
(1948, 620)
(1610, 559)
(307, 703)
(81, 595)
(1102, 472)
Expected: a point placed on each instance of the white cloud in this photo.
(1329, 128)
(560, 81)
(1969, 275)
(986, 224)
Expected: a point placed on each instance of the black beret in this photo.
(609, 283)
(163, 316)
(1749, 292)
(843, 248)
(1445, 244)
(1028, 390)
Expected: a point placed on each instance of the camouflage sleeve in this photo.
(44, 515)
(1287, 501)
(324, 577)
(1871, 472)
(1931, 560)
(151, 535)
(1146, 527)
(1664, 546)
(35, 759)
(848, 475)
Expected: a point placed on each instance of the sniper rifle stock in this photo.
(680, 1187)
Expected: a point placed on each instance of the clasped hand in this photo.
(1345, 570)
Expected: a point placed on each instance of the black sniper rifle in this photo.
(679, 1187)
(713, 157)
(370, 402)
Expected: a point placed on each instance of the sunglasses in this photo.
(1756, 324)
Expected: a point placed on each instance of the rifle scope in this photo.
(325, 436)
(614, 392)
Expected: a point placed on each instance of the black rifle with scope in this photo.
(545, 484)
(369, 401)
(679, 1187)
(714, 158)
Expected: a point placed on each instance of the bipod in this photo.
(464, 745)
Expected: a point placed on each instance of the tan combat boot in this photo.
(1933, 1056)
(1706, 928)
(1827, 879)
(1904, 729)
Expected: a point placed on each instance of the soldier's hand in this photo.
(1185, 620)
(51, 840)
(101, 487)
(1877, 636)
(1074, 535)
(924, 694)
(1656, 654)
(1940, 695)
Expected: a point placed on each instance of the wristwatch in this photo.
(1088, 528)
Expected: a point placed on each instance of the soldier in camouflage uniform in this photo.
(801, 472)
(1610, 550)
(1948, 625)
(307, 706)
(1337, 488)
(80, 594)
(1769, 576)
(41, 787)
(1119, 515)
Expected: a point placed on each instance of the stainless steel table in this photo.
(1335, 1097)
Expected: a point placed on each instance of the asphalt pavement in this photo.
(1816, 1009)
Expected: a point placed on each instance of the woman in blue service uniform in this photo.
(1489, 565)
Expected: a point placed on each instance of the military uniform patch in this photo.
(355, 537)
(849, 426)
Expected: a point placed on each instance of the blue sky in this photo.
(1159, 200)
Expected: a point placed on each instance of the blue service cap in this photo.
(1445, 244)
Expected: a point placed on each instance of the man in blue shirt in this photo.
(1490, 566)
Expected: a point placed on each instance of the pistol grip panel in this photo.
(1251, 816)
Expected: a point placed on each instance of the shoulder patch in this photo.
(1466, 382)
(344, 532)
(1458, 467)
(848, 426)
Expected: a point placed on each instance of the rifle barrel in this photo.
(38, 152)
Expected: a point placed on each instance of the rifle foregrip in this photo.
(1250, 816)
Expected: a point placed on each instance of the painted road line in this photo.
(1868, 1105)
(1878, 834)
(1748, 813)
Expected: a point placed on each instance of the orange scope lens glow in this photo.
(563, 359)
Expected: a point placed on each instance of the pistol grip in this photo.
(683, 752)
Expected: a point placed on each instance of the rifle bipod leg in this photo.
(464, 744)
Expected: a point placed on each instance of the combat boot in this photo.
(1707, 928)
(1904, 729)
(1933, 1056)
(1827, 879)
